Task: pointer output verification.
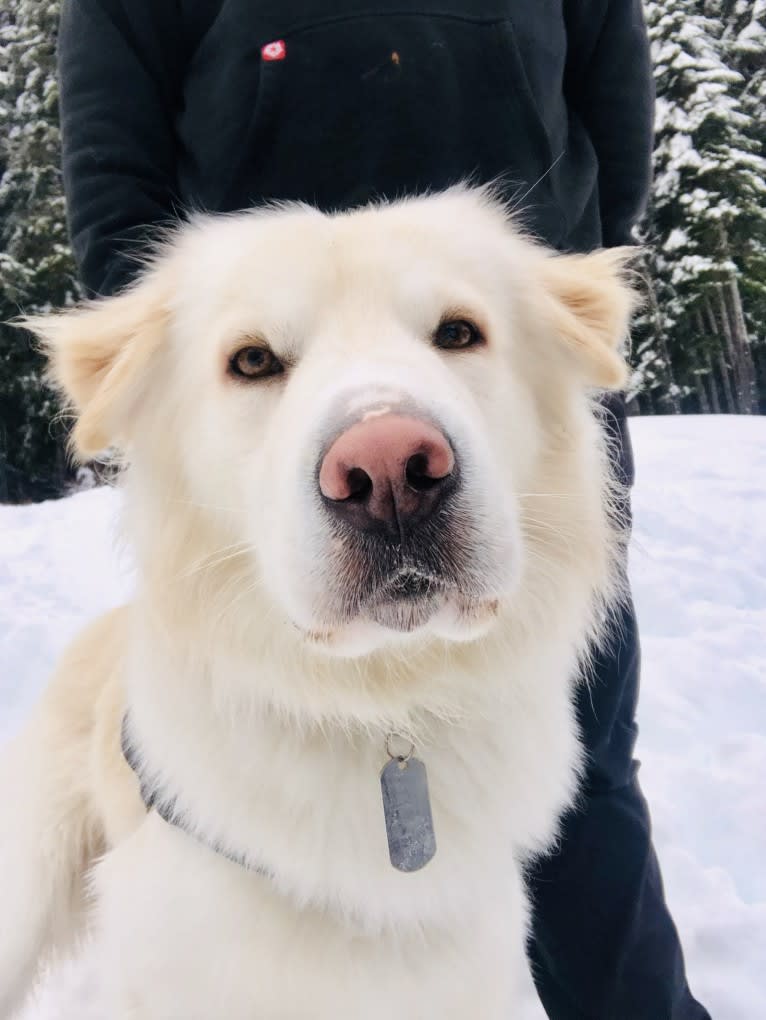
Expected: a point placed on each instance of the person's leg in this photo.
(604, 946)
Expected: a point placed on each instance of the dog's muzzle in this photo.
(390, 485)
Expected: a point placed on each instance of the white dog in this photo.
(369, 502)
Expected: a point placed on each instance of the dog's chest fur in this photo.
(306, 806)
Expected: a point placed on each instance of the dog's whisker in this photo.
(215, 560)
(246, 592)
(537, 528)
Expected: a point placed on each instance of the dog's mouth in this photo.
(442, 577)
(406, 600)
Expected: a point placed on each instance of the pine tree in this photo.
(36, 269)
(707, 220)
(745, 41)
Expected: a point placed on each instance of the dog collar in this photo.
(166, 807)
(406, 810)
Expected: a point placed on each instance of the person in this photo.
(221, 104)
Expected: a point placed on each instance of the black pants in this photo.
(604, 945)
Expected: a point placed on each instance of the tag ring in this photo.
(402, 758)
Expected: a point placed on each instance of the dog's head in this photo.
(354, 410)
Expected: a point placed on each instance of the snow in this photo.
(698, 564)
(752, 39)
(677, 238)
(59, 566)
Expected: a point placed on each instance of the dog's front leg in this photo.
(42, 855)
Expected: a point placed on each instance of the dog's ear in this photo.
(589, 306)
(99, 354)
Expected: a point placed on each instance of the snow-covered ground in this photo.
(699, 573)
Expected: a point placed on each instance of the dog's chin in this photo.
(401, 622)
(404, 615)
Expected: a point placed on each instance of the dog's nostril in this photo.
(359, 485)
(417, 473)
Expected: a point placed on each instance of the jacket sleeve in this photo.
(609, 82)
(119, 78)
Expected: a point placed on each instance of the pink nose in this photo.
(387, 469)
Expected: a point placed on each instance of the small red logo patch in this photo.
(274, 50)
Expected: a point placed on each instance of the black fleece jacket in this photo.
(172, 104)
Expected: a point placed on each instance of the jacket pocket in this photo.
(386, 104)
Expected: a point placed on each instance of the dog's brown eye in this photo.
(457, 335)
(254, 363)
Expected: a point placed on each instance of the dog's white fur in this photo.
(251, 696)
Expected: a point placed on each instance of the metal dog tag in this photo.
(407, 810)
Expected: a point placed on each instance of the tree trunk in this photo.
(733, 361)
(702, 399)
(759, 357)
(659, 332)
(742, 343)
(713, 387)
(699, 381)
(728, 389)
(735, 331)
